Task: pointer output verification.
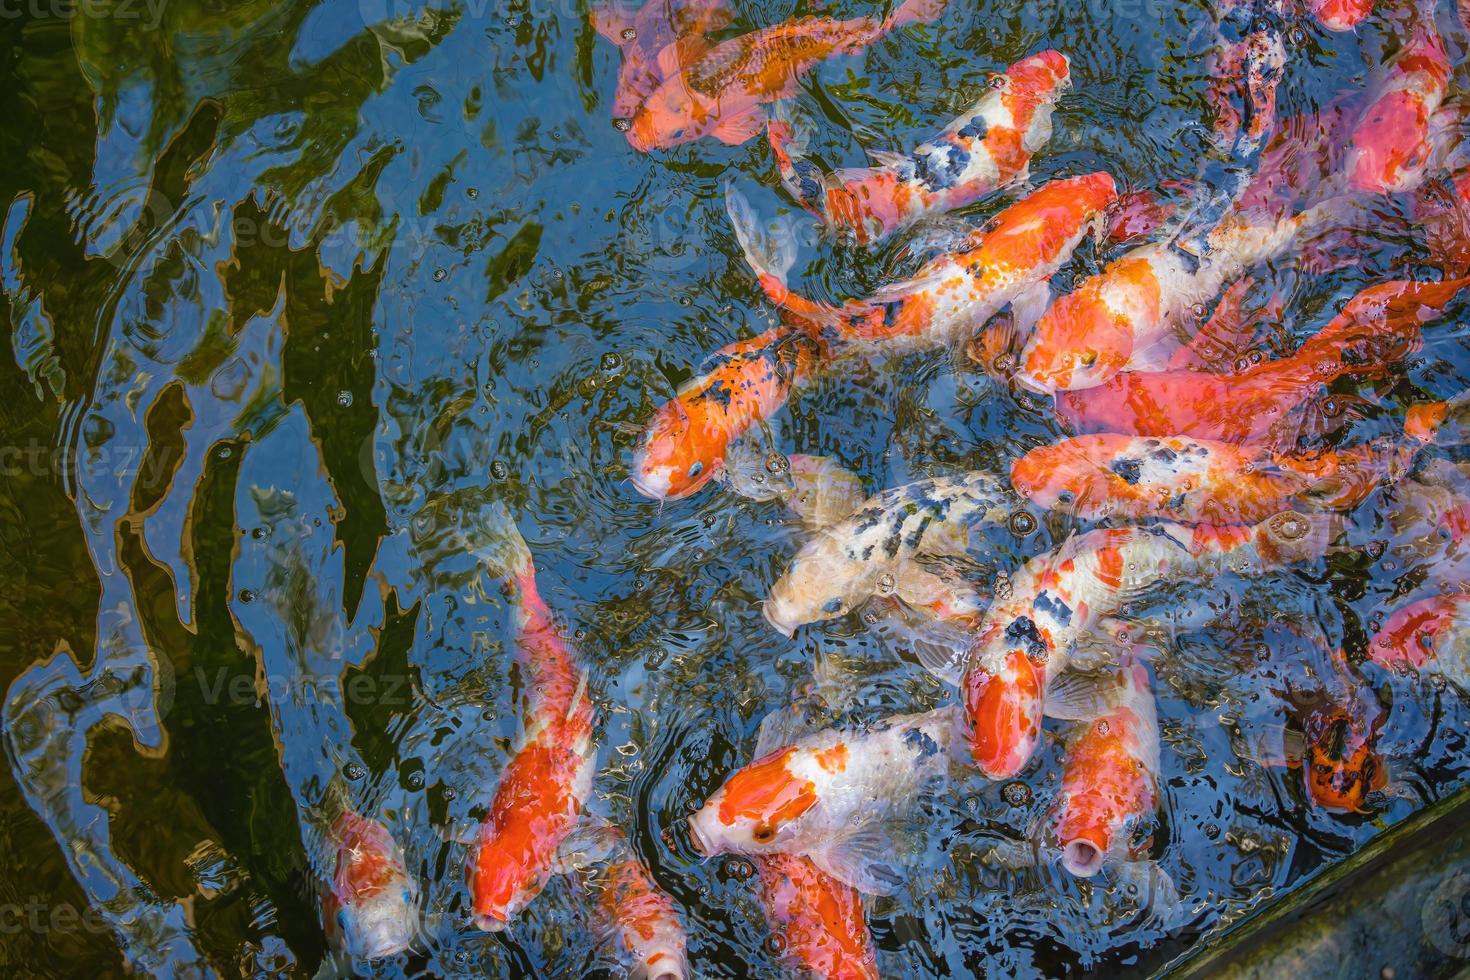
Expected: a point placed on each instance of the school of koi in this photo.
(1192, 457)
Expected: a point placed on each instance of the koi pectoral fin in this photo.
(739, 128)
(1148, 886)
(862, 859)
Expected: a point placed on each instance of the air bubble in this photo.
(1103, 727)
(344, 399)
(414, 780)
(886, 583)
(1021, 523)
(247, 595)
(354, 771)
(630, 34)
(611, 361)
(777, 463)
(223, 452)
(1198, 310)
(1016, 793)
(499, 470)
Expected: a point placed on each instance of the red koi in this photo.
(819, 919)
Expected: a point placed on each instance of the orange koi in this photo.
(819, 919)
(369, 907)
(1198, 481)
(1377, 327)
(1027, 640)
(636, 917)
(1125, 316)
(541, 791)
(643, 35)
(955, 293)
(1341, 15)
(827, 795)
(742, 384)
(718, 91)
(1340, 762)
(1391, 144)
(988, 147)
(1110, 777)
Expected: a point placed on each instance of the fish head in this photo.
(823, 582)
(678, 455)
(1063, 474)
(757, 811)
(1340, 765)
(663, 958)
(370, 905)
(1004, 695)
(1041, 76)
(1079, 342)
(1341, 15)
(666, 119)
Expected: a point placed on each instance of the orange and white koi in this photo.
(819, 919)
(542, 789)
(1027, 640)
(827, 796)
(954, 294)
(1341, 15)
(1126, 316)
(718, 91)
(1375, 329)
(1198, 481)
(369, 906)
(742, 384)
(988, 147)
(876, 547)
(644, 35)
(1110, 777)
(635, 916)
(1391, 144)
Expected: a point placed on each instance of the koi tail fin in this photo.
(914, 12)
(499, 544)
(771, 252)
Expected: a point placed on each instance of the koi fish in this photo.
(369, 906)
(818, 918)
(1377, 327)
(1110, 777)
(876, 547)
(953, 294)
(827, 795)
(635, 916)
(1249, 61)
(1341, 15)
(1340, 762)
(1198, 481)
(988, 147)
(718, 90)
(541, 791)
(1391, 144)
(644, 35)
(1025, 641)
(1442, 210)
(1430, 634)
(742, 384)
(1125, 316)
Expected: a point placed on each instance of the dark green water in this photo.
(281, 276)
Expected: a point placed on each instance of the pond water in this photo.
(300, 293)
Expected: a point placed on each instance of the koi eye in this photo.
(695, 469)
(763, 834)
(1088, 359)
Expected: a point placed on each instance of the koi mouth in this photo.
(703, 846)
(1082, 858)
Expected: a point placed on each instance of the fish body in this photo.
(988, 147)
(1340, 762)
(718, 91)
(1197, 481)
(1119, 318)
(819, 919)
(1377, 327)
(1248, 64)
(1391, 145)
(637, 918)
(827, 795)
(742, 384)
(542, 789)
(643, 35)
(845, 563)
(954, 294)
(1110, 777)
(1341, 15)
(1025, 641)
(370, 903)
